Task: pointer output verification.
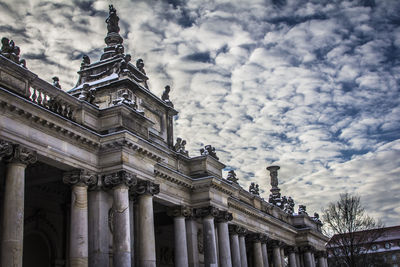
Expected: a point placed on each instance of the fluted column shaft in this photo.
(147, 246)
(308, 261)
(14, 196)
(258, 257)
(79, 236)
(191, 236)
(98, 226)
(265, 254)
(235, 249)
(225, 258)
(180, 252)
(277, 257)
(242, 246)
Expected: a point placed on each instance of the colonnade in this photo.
(224, 243)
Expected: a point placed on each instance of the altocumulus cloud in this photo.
(310, 85)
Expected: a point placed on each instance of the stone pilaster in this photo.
(120, 182)
(235, 248)
(292, 256)
(79, 181)
(264, 250)
(18, 158)
(180, 249)
(209, 242)
(276, 253)
(191, 236)
(147, 247)
(242, 246)
(257, 251)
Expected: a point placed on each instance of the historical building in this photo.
(382, 246)
(94, 177)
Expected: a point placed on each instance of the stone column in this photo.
(298, 261)
(242, 246)
(257, 251)
(276, 253)
(79, 237)
(132, 204)
(13, 210)
(191, 237)
(292, 257)
(120, 182)
(209, 242)
(308, 256)
(180, 249)
(321, 258)
(225, 258)
(147, 247)
(264, 250)
(98, 228)
(235, 249)
(283, 256)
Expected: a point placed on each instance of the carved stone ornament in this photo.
(11, 51)
(147, 187)
(306, 249)
(207, 211)
(256, 237)
(179, 211)
(232, 177)
(224, 216)
(242, 231)
(6, 149)
(290, 249)
(80, 177)
(275, 243)
(236, 230)
(17, 153)
(119, 178)
(254, 189)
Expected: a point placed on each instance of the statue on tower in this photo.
(112, 20)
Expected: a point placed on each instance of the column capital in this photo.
(224, 216)
(17, 153)
(206, 211)
(275, 243)
(146, 188)
(321, 254)
(234, 229)
(6, 149)
(121, 177)
(306, 249)
(290, 249)
(179, 211)
(264, 239)
(255, 237)
(242, 231)
(80, 177)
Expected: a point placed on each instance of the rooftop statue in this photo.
(112, 20)
(232, 177)
(140, 67)
(302, 210)
(180, 147)
(254, 189)
(11, 51)
(85, 61)
(56, 82)
(209, 150)
(165, 96)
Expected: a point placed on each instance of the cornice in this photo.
(173, 176)
(131, 146)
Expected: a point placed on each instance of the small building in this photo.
(94, 177)
(382, 246)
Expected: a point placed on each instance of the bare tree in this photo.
(352, 232)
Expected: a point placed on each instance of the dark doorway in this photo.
(36, 251)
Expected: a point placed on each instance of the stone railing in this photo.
(23, 82)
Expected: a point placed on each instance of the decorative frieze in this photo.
(119, 178)
(80, 177)
(179, 211)
(6, 149)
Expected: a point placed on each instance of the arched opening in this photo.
(36, 251)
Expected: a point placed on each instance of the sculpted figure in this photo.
(177, 145)
(165, 96)
(302, 210)
(254, 189)
(11, 51)
(232, 177)
(85, 61)
(112, 20)
(180, 146)
(140, 65)
(56, 82)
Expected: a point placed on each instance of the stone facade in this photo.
(92, 177)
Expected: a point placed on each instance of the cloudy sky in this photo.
(312, 86)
